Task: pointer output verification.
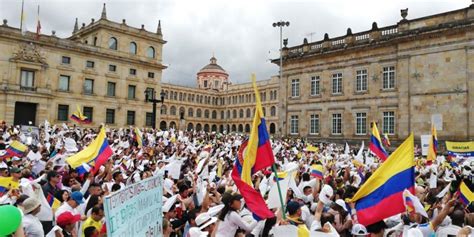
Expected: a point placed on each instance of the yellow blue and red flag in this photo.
(52, 201)
(385, 140)
(93, 156)
(254, 155)
(138, 137)
(376, 143)
(79, 117)
(465, 194)
(317, 171)
(381, 196)
(433, 146)
(15, 148)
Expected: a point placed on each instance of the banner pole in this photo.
(283, 211)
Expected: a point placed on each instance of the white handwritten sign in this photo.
(136, 209)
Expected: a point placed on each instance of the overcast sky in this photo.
(238, 32)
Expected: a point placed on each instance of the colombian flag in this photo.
(317, 171)
(385, 140)
(433, 146)
(16, 148)
(381, 196)
(52, 201)
(138, 137)
(376, 144)
(79, 117)
(465, 194)
(95, 155)
(254, 155)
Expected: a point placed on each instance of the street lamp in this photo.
(150, 96)
(282, 24)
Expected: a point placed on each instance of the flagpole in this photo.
(21, 16)
(283, 211)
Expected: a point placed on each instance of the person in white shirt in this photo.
(71, 204)
(31, 224)
(229, 219)
(457, 221)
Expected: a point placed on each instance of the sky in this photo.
(238, 33)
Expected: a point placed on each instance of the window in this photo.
(113, 43)
(337, 83)
(90, 64)
(27, 79)
(150, 92)
(110, 88)
(198, 113)
(205, 83)
(388, 79)
(361, 123)
(95, 41)
(206, 113)
(88, 86)
(336, 124)
(315, 85)
(314, 124)
(388, 125)
(151, 75)
(234, 113)
(294, 124)
(150, 52)
(133, 71)
(273, 111)
(66, 60)
(241, 113)
(148, 119)
(112, 68)
(248, 113)
(295, 88)
(110, 116)
(133, 48)
(88, 112)
(190, 112)
(130, 117)
(163, 109)
(131, 92)
(172, 110)
(361, 80)
(216, 84)
(63, 112)
(214, 114)
(63, 83)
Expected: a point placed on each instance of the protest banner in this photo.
(463, 149)
(425, 143)
(136, 209)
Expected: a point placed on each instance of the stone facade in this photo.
(104, 68)
(401, 76)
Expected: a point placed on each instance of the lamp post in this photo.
(150, 96)
(282, 24)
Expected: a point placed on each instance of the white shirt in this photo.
(32, 226)
(448, 230)
(231, 223)
(66, 208)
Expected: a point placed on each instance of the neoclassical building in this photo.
(403, 76)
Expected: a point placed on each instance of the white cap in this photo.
(326, 194)
(196, 232)
(203, 220)
(358, 230)
(341, 203)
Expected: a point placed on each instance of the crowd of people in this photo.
(200, 197)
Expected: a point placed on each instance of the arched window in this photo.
(198, 114)
(113, 43)
(172, 125)
(234, 113)
(206, 127)
(172, 110)
(222, 114)
(234, 128)
(241, 113)
(162, 125)
(214, 114)
(150, 52)
(214, 128)
(181, 112)
(272, 128)
(198, 127)
(163, 109)
(228, 114)
(190, 112)
(190, 126)
(247, 128)
(133, 48)
(241, 128)
(206, 113)
(248, 113)
(273, 111)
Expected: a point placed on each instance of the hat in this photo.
(341, 203)
(30, 204)
(169, 203)
(326, 194)
(67, 218)
(16, 158)
(203, 220)
(15, 170)
(213, 211)
(51, 174)
(196, 232)
(77, 197)
(358, 229)
(292, 207)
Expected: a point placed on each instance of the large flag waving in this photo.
(15, 148)
(254, 155)
(381, 196)
(79, 117)
(433, 146)
(376, 143)
(93, 156)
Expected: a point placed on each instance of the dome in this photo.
(212, 67)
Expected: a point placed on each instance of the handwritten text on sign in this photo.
(136, 209)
